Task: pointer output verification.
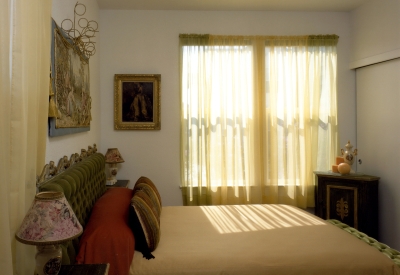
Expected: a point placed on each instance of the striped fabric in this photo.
(145, 223)
(142, 181)
(149, 190)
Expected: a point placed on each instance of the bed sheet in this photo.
(256, 239)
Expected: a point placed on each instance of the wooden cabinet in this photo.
(119, 183)
(351, 199)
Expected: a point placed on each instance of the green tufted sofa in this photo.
(82, 184)
(389, 252)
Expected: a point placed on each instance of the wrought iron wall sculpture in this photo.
(82, 37)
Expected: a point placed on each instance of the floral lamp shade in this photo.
(113, 156)
(49, 222)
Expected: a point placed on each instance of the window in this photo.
(257, 112)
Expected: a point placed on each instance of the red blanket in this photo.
(107, 237)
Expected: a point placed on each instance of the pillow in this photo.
(145, 223)
(107, 237)
(146, 181)
(152, 195)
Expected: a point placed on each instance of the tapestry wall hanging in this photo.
(70, 82)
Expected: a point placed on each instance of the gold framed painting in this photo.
(137, 101)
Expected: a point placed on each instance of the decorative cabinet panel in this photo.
(351, 199)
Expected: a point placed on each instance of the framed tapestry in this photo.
(137, 102)
(71, 85)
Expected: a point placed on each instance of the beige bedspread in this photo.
(256, 239)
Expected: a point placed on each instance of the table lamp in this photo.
(49, 222)
(113, 156)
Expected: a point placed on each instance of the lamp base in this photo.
(48, 259)
(113, 172)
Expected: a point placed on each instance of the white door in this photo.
(378, 139)
(378, 113)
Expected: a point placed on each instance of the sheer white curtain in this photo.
(258, 115)
(25, 28)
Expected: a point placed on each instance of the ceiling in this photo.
(232, 5)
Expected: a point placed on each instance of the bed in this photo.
(135, 234)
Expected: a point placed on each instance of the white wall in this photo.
(146, 42)
(376, 26)
(375, 32)
(57, 147)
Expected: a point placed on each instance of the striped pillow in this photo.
(145, 223)
(146, 181)
(146, 188)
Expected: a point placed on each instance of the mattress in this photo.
(256, 239)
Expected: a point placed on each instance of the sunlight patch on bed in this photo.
(247, 218)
